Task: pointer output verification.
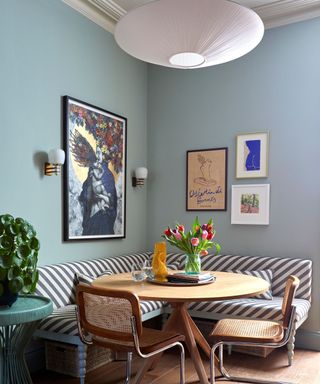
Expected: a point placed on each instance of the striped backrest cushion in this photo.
(281, 268)
(88, 279)
(57, 281)
(174, 258)
(120, 264)
(265, 274)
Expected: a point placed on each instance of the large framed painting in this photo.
(252, 155)
(95, 172)
(250, 204)
(207, 179)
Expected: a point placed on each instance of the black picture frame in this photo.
(207, 179)
(94, 188)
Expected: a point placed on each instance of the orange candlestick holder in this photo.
(159, 267)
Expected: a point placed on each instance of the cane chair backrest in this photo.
(291, 287)
(107, 313)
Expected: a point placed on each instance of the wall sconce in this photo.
(141, 174)
(56, 158)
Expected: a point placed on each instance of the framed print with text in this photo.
(250, 204)
(252, 155)
(94, 173)
(207, 179)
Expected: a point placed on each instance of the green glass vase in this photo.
(193, 264)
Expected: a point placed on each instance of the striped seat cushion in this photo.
(249, 308)
(64, 321)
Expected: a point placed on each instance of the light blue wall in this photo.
(275, 88)
(49, 50)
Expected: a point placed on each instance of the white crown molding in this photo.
(287, 11)
(107, 12)
(111, 8)
(92, 13)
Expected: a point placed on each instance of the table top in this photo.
(227, 286)
(26, 309)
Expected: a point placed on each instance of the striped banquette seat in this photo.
(58, 282)
(268, 307)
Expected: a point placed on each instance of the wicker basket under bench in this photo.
(64, 358)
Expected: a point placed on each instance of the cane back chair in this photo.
(112, 319)
(255, 333)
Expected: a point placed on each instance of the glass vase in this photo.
(193, 264)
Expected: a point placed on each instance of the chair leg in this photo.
(226, 375)
(290, 347)
(128, 367)
(182, 365)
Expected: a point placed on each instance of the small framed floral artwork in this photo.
(94, 173)
(207, 179)
(252, 155)
(250, 204)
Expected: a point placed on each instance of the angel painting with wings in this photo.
(98, 197)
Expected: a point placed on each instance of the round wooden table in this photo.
(227, 286)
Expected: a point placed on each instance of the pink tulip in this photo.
(177, 235)
(204, 252)
(195, 241)
(204, 234)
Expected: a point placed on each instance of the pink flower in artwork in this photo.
(195, 241)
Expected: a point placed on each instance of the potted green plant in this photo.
(19, 248)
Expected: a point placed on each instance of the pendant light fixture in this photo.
(189, 33)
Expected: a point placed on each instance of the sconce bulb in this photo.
(141, 173)
(56, 156)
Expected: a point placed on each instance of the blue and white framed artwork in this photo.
(252, 155)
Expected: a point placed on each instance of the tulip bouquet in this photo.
(197, 241)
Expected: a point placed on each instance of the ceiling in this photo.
(274, 13)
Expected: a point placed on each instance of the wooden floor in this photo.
(305, 370)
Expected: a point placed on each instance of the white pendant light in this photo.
(189, 33)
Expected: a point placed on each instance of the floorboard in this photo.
(305, 369)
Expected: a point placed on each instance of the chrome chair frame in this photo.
(225, 374)
(146, 356)
(84, 338)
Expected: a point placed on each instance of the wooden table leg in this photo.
(180, 321)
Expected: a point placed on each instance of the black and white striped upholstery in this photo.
(281, 268)
(57, 281)
(63, 320)
(248, 308)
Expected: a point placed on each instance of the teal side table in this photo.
(17, 324)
